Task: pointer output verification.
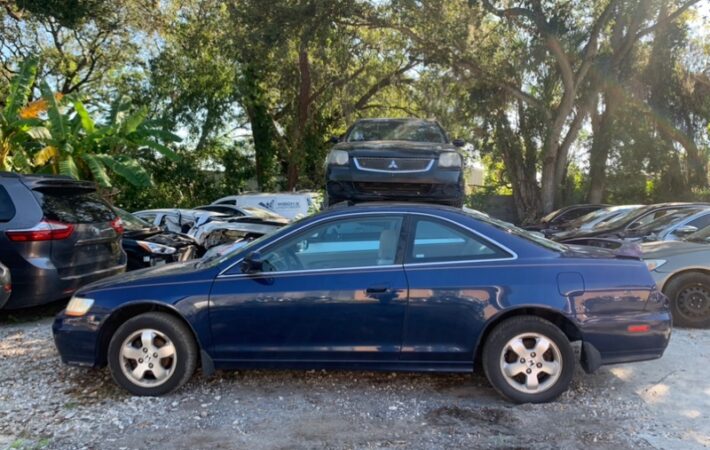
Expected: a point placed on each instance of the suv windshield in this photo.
(396, 130)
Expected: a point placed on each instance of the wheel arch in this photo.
(557, 318)
(133, 309)
(684, 271)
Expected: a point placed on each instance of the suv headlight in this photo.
(450, 159)
(337, 157)
(158, 249)
(654, 264)
(78, 306)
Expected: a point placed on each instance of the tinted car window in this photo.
(74, 206)
(436, 241)
(7, 208)
(345, 243)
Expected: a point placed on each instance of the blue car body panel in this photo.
(402, 316)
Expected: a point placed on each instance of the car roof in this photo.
(48, 181)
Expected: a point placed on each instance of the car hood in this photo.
(664, 249)
(166, 273)
(394, 148)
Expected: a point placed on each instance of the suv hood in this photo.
(395, 148)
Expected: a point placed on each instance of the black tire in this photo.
(496, 344)
(176, 331)
(689, 294)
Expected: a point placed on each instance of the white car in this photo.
(245, 211)
(291, 205)
(178, 220)
(209, 228)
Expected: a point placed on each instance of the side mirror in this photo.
(252, 263)
(685, 230)
(334, 139)
(458, 142)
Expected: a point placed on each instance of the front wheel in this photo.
(689, 294)
(528, 360)
(152, 354)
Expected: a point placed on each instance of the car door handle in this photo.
(378, 289)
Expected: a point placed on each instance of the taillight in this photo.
(117, 224)
(46, 230)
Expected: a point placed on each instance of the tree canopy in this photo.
(563, 101)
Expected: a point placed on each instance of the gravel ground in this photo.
(44, 404)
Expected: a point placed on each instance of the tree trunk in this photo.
(603, 133)
(303, 103)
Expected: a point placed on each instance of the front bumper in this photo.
(76, 339)
(440, 185)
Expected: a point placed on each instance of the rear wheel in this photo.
(528, 360)
(689, 294)
(152, 354)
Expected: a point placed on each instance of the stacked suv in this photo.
(56, 234)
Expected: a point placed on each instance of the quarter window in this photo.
(435, 241)
(346, 243)
(7, 208)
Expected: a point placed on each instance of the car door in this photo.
(453, 279)
(334, 290)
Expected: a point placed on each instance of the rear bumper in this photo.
(36, 286)
(345, 183)
(607, 340)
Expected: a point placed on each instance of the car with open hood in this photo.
(681, 269)
(395, 159)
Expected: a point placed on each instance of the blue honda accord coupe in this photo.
(375, 287)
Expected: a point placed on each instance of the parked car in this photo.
(245, 211)
(291, 205)
(672, 226)
(375, 286)
(594, 219)
(395, 159)
(147, 245)
(56, 235)
(681, 270)
(558, 218)
(178, 220)
(618, 228)
(5, 285)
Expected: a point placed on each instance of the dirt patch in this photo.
(46, 404)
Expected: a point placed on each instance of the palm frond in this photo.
(21, 87)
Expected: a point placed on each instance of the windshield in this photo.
(396, 130)
(131, 222)
(512, 229)
(664, 222)
(624, 219)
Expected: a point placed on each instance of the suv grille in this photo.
(394, 165)
(393, 188)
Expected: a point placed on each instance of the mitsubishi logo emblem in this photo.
(393, 165)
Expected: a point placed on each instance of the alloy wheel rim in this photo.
(531, 363)
(148, 357)
(694, 302)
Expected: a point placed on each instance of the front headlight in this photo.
(78, 306)
(158, 249)
(654, 264)
(337, 157)
(450, 159)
